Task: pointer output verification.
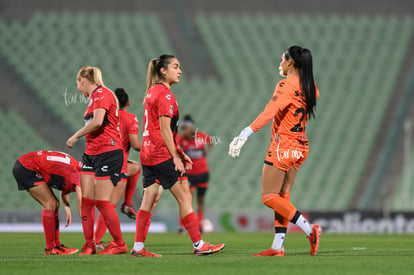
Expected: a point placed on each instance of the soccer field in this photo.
(339, 254)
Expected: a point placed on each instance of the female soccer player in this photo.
(128, 183)
(37, 173)
(196, 145)
(102, 161)
(292, 104)
(162, 159)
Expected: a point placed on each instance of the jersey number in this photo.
(145, 133)
(298, 127)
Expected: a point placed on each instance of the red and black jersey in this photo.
(195, 149)
(107, 137)
(159, 102)
(128, 125)
(59, 170)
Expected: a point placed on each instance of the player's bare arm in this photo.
(93, 125)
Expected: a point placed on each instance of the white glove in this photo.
(238, 142)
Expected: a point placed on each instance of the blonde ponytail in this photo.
(93, 74)
(97, 76)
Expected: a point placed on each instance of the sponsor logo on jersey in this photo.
(168, 97)
(104, 168)
(171, 109)
(84, 166)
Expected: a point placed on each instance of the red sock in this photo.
(200, 216)
(147, 225)
(191, 225)
(57, 240)
(142, 225)
(131, 187)
(111, 220)
(101, 227)
(88, 218)
(48, 221)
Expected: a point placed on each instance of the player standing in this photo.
(162, 160)
(102, 161)
(37, 173)
(131, 169)
(196, 145)
(291, 106)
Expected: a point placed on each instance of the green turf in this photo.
(339, 254)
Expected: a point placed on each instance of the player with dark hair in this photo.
(292, 105)
(37, 173)
(130, 171)
(196, 145)
(161, 158)
(102, 161)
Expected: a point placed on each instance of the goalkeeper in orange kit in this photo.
(292, 104)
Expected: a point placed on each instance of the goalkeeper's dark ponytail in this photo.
(302, 59)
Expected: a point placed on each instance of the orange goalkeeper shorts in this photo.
(285, 152)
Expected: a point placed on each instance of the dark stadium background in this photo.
(360, 169)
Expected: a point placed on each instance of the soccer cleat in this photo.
(99, 246)
(88, 249)
(53, 251)
(208, 249)
(129, 211)
(67, 250)
(271, 252)
(314, 239)
(143, 253)
(113, 249)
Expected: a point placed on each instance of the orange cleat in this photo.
(67, 250)
(88, 249)
(208, 249)
(314, 239)
(143, 253)
(271, 252)
(113, 249)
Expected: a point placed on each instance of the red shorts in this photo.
(285, 152)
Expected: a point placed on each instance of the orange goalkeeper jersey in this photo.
(287, 108)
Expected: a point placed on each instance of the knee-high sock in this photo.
(57, 239)
(48, 221)
(111, 220)
(88, 218)
(190, 223)
(142, 225)
(100, 227)
(131, 187)
(280, 205)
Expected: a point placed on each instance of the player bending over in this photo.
(37, 173)
(162, 159)
(292, 104)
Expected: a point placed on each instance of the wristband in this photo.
(246, 133)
